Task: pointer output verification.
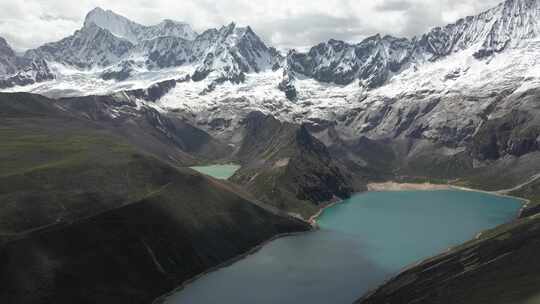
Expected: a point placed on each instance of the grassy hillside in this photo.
(88, 217)
(164, 135)
(499, 267)
(56, 168)
(137, 252)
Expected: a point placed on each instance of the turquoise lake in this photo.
(218, 171)
(362, 242)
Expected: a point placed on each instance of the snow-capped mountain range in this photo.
(375, 87)
(121, 48)
(112, 42)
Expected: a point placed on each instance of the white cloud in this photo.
(283, 23)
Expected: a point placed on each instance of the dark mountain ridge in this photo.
(88, 215)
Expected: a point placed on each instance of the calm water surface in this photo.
(362, 242)
(218, 171)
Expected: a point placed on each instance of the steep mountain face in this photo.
(375, 59)
(504, 26)
(88, 47)
(370, 61)
(134, 32)
(227, 53)
(17, 71)
(124, 49)
(231, 52)
(8, 59)
(29, 71)
(288, 168)
(164, 52)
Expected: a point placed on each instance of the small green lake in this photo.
(218, 171)
(362, 242)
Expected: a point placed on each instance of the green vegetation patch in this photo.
(57, 169)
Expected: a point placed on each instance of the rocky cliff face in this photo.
(18, 71)
(288, 168)
(231, 52)
(8, 59)
(88, 47)
(122, 48)
(370, 61)
(28, 72)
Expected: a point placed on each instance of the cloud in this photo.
(282, 23)
(393, 5)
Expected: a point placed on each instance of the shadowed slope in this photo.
(86, 217)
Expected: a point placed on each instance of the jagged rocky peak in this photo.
(166, 51)
(372, 61)
(168, 28)
(28, 71)
(118, 25)
(230, 52)
(8, 58)
(134, 32)
(519, 20)
(5, 49)
(369, 61)
(18, 71)
(88, 47)
(506, 25)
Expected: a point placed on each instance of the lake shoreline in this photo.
(371, 187)
(161, 299)
(396, 186)
(313, 219)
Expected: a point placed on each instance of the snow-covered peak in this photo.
(118, 25)
(371, 61)
(134, 32)
(519, 21)
(91, 46)
(8, 58)
(173, 28)
(376, 59)
(167, 28)
(5, 49)
(507, 25)
(230, 52)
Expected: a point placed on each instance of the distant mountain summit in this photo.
(120, 46)
(20, 71)
(8, 59)
(135, 33)
(231, 51)
(88, 47)
(504, 26)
